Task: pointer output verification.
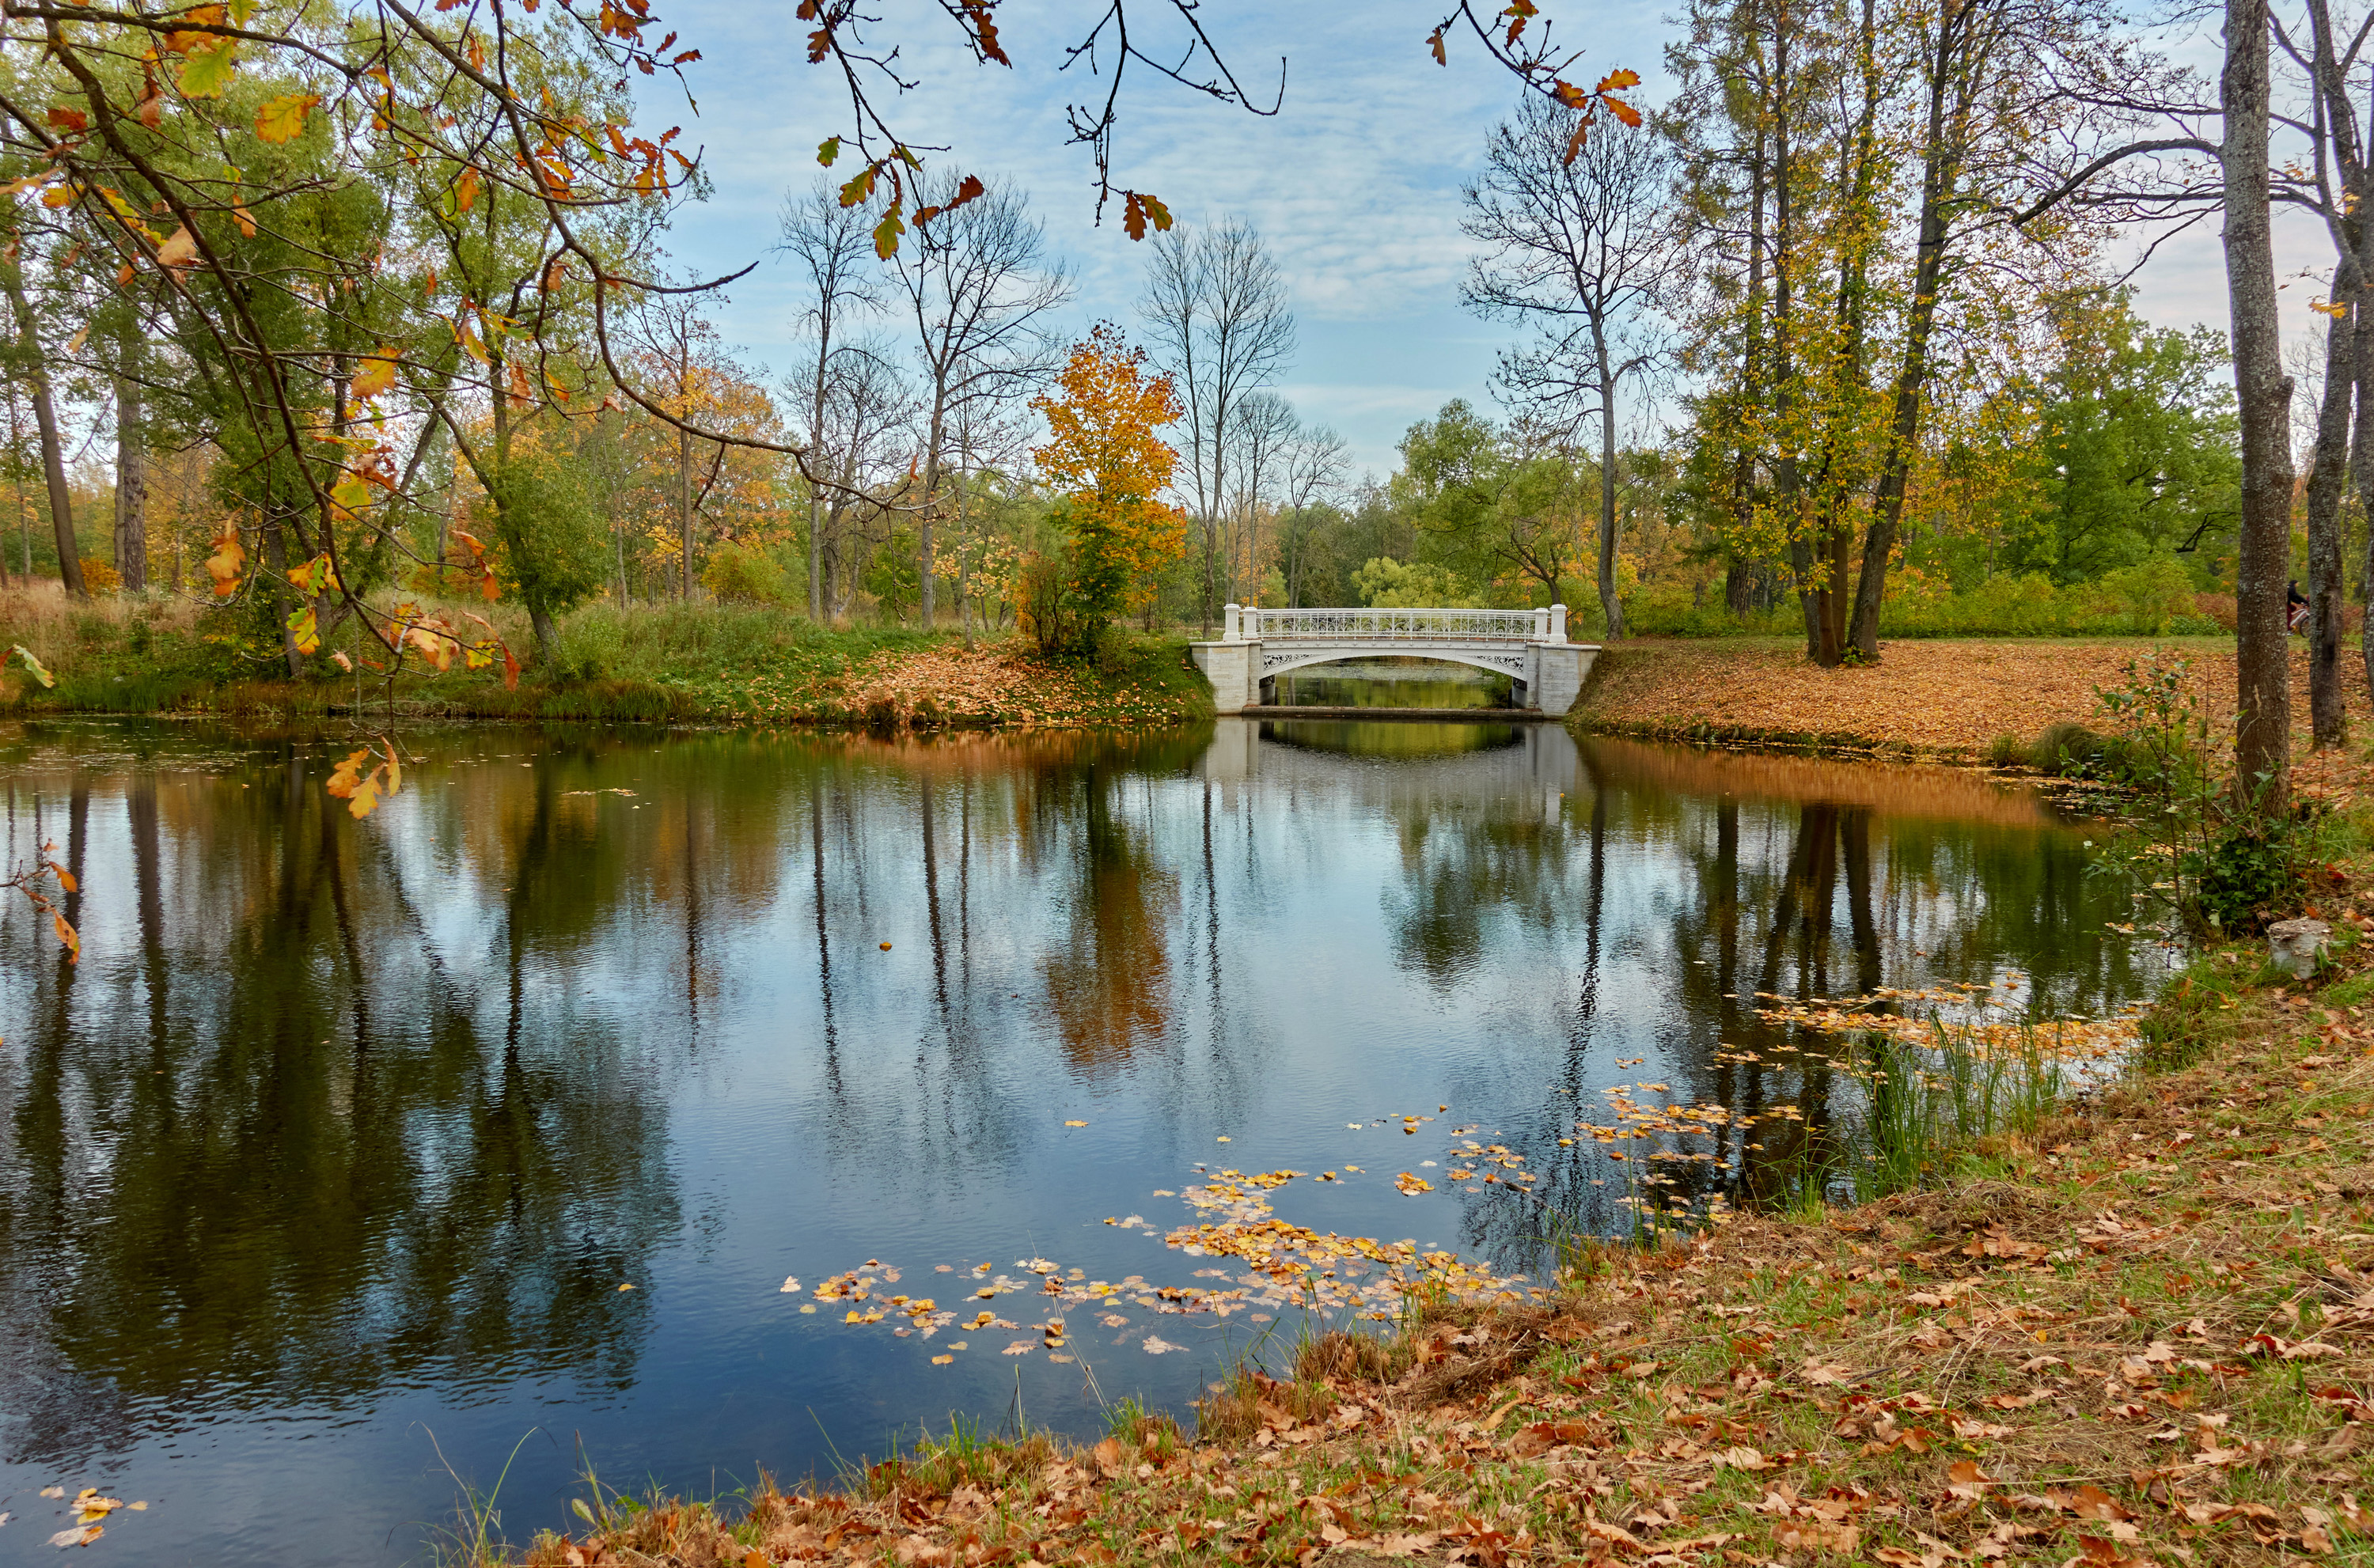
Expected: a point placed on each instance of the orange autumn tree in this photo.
(1103, 458)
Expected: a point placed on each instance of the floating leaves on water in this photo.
(1019, 1348)
(78, 1535)
(1412, 1184)
(941, 1361)
(886, 947)
(1223, 1138)
(791, 1284)
(1154, 1346)
(1076, 1124)
(54, 1492)
(626, 1287)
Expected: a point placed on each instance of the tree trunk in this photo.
(2327, 481)
(275, 561)
(2263, 394)
(1937, 179)
(548, 638)
(2361, 465)
(1611, 605)
(684, 514)
(53, 461)
(923, 517)
(131, 486)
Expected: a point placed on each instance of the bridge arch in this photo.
(1283, 660)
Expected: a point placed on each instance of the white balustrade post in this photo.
(1232, 623)
(1541, 626)
(1251, 620)
(1557, 622)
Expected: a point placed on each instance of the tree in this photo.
(1495, 501)
(2263, 739)
(551, 534)
(1104, 460)
(981, 288)
(1215, 307)
(828, 240)
(1580, 248)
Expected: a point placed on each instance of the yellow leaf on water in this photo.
(626, 1287)
(1076, 1124)
(941, 1361)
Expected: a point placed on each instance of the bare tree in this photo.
(1580, 250)
(831, 244)
(865, 455)
(1265, 427)
(982, 435)
(1315, 463)
(983, 294)
(1215, 308)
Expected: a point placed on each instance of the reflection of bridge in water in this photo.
(1537, 764)
(1530, 647)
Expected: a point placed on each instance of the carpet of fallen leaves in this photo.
(1946, 699)
(2142, 1334)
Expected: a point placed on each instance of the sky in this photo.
(1353, 183)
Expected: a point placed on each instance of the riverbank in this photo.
(1952, 701)
(701, 663)
(2139, 1330)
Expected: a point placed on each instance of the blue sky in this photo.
(1354, 184)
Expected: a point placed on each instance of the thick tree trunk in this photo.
(130, 489)
(2361, 467)
(2327, 481)
(2262, 742)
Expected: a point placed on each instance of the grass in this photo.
(672, 663)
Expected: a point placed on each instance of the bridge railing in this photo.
(1247, 624)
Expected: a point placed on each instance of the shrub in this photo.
(1049, 611)
(737, 574)
(100, 578)
(2199, 847)
(2006, 752)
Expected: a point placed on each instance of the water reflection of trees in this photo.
(328, 1108)
(1804, 898)
(268, 1142)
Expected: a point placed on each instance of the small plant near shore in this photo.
(2199, 846)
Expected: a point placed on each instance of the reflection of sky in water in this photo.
(347, 1134)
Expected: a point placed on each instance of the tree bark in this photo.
(131, 485)
(54, 459)
(2327, 481)
(1938, 169)
(1611, 605)
(2264, 393)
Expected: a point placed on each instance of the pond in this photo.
(506, 1117)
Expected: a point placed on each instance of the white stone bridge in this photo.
(1527, 646)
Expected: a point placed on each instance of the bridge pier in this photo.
(1529, 647)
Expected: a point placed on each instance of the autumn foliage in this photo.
(1105, 460)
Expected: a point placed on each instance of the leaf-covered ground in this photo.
(2143, 1334)
(1948, 699)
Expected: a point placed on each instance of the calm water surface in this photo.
(338, 1146)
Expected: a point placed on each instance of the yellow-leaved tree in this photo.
(1103, 458)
